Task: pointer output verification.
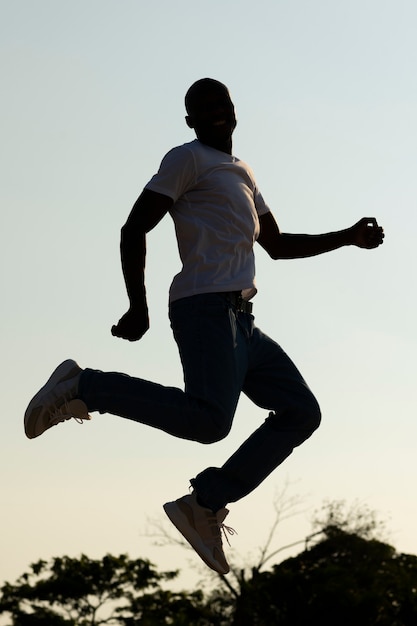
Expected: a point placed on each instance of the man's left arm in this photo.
(364, 234)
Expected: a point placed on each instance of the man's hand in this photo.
(367, 234)
(133, 325)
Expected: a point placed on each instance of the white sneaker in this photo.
(201, 528)
(56, 402)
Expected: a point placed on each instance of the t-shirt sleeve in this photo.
(260, 204)
(176, 174)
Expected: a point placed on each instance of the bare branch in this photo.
(292, 545)
(285, 508)
(162, 537)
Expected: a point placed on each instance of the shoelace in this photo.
(64, 413)
(227, 530)
(221, 527)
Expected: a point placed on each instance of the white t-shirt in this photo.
(215, 212)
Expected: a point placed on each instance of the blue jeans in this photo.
(223, 353)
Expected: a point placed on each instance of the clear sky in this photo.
(92, 98)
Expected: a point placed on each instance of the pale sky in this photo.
(92, 98)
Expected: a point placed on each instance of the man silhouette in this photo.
(219, 214)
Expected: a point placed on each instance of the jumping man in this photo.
(219, 214)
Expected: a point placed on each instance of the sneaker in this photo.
(201, 528)
(56, 402)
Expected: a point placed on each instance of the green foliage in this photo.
(342, 580)
(81, 592)
(348, 576)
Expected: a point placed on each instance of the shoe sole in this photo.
(182, 524)
(60, 373)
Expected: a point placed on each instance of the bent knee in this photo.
(305, 418)
(214, 432)
(309, 416)
(314, 417)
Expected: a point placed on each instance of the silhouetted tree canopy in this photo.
(87, 592)
(343, 580)
(347, 578)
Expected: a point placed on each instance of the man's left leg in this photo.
(273, 382)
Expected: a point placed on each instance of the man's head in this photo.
(210, 112)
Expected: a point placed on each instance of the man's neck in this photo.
(223, 147)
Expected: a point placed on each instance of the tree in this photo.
(86, 592)
(344, 579)
(347, 577)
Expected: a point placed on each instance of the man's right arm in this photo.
(147, 211)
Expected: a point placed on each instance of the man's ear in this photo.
(189, 121)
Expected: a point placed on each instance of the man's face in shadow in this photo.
(211, 114)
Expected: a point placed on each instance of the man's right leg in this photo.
(213, 377)
(202, 412)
